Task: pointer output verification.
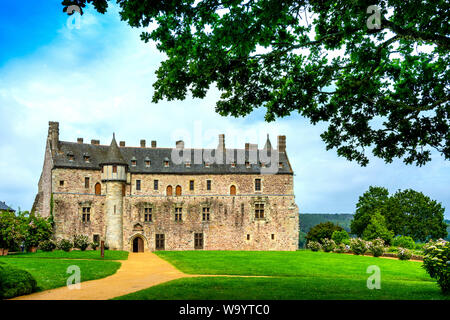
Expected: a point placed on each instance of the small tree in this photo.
(38, 229)
(11, 230)
(322, 231)
(377, 229)
(341, 237)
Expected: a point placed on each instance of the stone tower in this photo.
(114, 176)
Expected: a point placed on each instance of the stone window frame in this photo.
(138, 185)
(235, 186)
(86, 204)
(155, 184)
(267, 211)
(141, 211)
(87, 182)
(210, 184)
(191, 185)
(148, 210)
(208, 214)
(178, 210)
(199, 240)
(61, 183)
(261, 183)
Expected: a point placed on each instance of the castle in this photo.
(150, 198)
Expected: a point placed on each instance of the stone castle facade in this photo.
(145, 199)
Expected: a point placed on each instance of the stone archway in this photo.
(137, 244)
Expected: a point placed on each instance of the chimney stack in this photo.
(142, 143)
(281, 144)
(80, 140)
(95, 142)
(53, 135)
(153, 144)
(247, 146)
(122, 143)
(180, 144)
(221, 142)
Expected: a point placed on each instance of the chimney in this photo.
(95, 142)
(221, 145)
(80, 140)
(53, 135)
(180, 144)
(281, 144)
(122, 143)
(153, 144)
(247, 146)
(142, 143)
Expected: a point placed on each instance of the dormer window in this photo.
(70, 156)
(147, 162)
(263, 164)
(233, 164)
(280, 164)
(207, 164)
(133, 162)
(86, 157)
(188, 164)
(247, 164)
(166, 162)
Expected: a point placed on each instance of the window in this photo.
(280, 164)
(133, 163)
(233, 190)
(259, 210)
(247, 164)
(188, 164)
(233, 164)
(159, 241)
(178, 214)
(147, 163)
(178, 190)
(273, 236)
(86, 217)
(114, 169)
(169, 191)
(61, 183)
(96, 238)
(205, 213)
(155, 184)
(86, 182)
(166, 163)
(208, 184)
(207, 164)
(242, 208)
(138, 185)
(198, 240)
(191, 185)
(257, 184)
(103, 169)
(86, 158)
(98, 189)
(248, 237)
(148, 214)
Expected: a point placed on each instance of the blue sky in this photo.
(97, 79)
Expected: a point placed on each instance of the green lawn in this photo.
(296, 275)
(50, 268)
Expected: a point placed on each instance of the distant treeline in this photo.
(309, 220)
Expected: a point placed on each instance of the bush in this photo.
(404, 254)
(340, 237)
(65, 245)
(81, 242)
(436, 263)
(328, 245)
(358, 246)
(314, 245)
(95, 245)
(377, 229)
(376, 247)
(15, 282)
(37, 229)
(321, 231)
(47, 245)
(404, 242)
(341, 248)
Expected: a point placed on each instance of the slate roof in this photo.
(100, 154)
(4, 207)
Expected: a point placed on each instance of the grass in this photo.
(296, 275)
(50, 268)
(74, 254)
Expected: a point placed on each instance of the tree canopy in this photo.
(380, 84)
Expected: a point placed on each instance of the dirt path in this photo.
(140, 271)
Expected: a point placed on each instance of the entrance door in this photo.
(138, 244)
(160, 245)
(233, 190)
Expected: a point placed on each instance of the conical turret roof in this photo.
(114, 156)
(268, 145)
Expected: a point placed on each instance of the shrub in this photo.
(15, 282)
(81, 242)
(358, 246)
(321, 231)
(37, 229)
(340, 237)
(47, 245)
(376, 247)
(314, 245)
(341, 248)
(106, 246)
(65, 245)
(436, 263)
(404, 254)
(404, 242)
(377, 229)
(328, 245)
(94, 245)
(11, 230)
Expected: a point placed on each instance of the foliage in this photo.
(407, 212)
(37, 229)
(404, 242)
(65, 245)
(81, 242)
(325, 60)
(358, 246)
(314, 245)
(15, 282)
(47, 245)
(74, 254)
(94, 245)
(342, 248)
(436, 263)
(309, 220)
(328, 245)
(376, 247)
(321, 231)
(11, 230)
(377, 229)
(404, 254)
(341, 237)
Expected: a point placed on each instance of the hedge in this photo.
(15, 282)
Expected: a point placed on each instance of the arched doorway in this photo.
(233, 190)
(98, 189)
(178, 190)
(138, 244)
(169, 190)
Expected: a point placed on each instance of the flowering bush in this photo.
(314, 245)
(341, 248)
(65, 245)
(340, 237)
(437, 262)
(404, 254)
(376, 247)
(328, 245)
(358, 246)
(81, 242)
(47, 245)
(404, 242)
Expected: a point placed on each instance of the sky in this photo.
(94, 75)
